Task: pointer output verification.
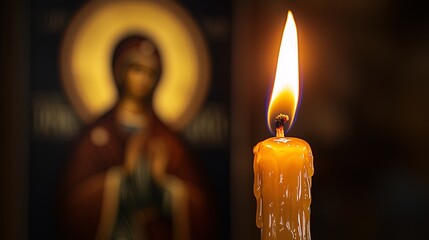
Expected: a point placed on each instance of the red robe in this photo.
(89, 190)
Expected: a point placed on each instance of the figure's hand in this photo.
(158, 154)
(155, 149)
(145, 164)
(139, 188)
(136, 146)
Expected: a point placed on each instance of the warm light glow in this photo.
(92, 36)
(285, 95)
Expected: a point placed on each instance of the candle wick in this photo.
(280, 121)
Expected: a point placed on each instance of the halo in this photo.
(88, 44)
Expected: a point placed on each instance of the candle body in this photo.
(283, 167)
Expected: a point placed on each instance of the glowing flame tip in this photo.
(285, 94)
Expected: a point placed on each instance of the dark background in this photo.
(365, 112)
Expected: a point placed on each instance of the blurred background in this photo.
(364, 111)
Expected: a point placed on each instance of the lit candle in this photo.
(283, 166)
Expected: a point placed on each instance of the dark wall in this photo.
(364, 110)
(13, 114)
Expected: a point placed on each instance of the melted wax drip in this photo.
(283, 168)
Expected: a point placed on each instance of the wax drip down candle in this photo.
(283, 166)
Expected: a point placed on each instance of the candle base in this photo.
(283, 168)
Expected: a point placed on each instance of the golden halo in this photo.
(88, 46)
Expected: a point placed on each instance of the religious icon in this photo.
(129, 176)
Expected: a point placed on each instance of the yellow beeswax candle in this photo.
(283, 167)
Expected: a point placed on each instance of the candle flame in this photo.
(285, 95)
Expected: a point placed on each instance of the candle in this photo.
(283, 166)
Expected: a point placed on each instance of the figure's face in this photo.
(140, 80)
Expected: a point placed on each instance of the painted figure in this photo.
(129, 176)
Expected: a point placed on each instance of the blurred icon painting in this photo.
(136, 81)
